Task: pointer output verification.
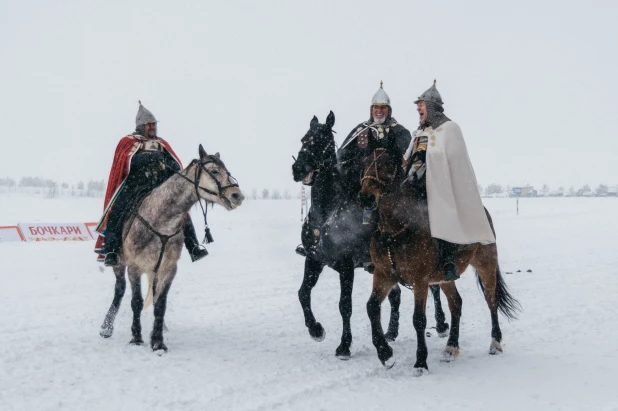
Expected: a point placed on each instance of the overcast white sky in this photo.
(531, 83)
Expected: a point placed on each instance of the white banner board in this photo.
(10, 233)
(55, 232)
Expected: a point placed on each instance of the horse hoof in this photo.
(419, 372)
(106, 332)
(442, 330)
(495, 347)
(159, 348)
(390, 337)
(390, 363)
(449, 354)
(343, 353)
(317, 332)
(136, 341)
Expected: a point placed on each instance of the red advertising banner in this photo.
(55, 232)
(10, 233)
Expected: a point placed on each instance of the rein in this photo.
(385, 239)
(198, 172)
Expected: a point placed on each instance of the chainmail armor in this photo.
(435, 116)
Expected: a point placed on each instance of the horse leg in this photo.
(107, 329)
(488, 281)
(441, 324)
(394, 297)
(313, 269)
(160, 288)
(451, 351)
(346, 279)
(420, 323)
(381, 288)
(137, 304)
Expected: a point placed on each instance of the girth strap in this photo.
(164, 239)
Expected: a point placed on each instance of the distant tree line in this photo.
(267, 194)
(93, 185)
(600, 190)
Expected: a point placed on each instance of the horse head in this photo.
(382, 173)
(214, 183)
(317, 151)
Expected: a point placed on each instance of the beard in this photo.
(379, 121)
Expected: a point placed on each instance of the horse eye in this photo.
(215, 171)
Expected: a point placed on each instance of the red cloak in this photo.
(121, 165)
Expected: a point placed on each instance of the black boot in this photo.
(111, 260)
(300, 250)
(196, 251)
(113, 244)
(447, 252)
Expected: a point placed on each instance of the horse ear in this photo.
(314, 122)
(330, 120)
(218, 156)
(202, 152)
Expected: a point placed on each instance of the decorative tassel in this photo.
(207, 236)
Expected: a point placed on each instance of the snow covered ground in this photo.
(237, 338)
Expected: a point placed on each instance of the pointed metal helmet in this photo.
(381, 98)
(144, 116)
(431, 95)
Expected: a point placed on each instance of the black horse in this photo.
(333, 234)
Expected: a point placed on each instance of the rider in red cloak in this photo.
(141, 163)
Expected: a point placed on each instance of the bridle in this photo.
(374, 163)
(325, 161)
(385, 239)
(232, 182)
(376, 178)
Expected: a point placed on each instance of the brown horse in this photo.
(153, 239)
(403, 251)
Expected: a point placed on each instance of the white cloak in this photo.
(456, 213)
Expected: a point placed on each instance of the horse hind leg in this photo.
(394, 298)
(441, 324)
(137, 304)
(497, 296)
(313, 269)
(107, 328)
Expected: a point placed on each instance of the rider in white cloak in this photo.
(437, 157)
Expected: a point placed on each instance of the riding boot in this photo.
(447, 252)
(367, 263)
(300, 250)
(196, 251)
(112, 249)
(113, 228)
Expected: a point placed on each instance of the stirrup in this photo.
(450, 272)
(300, 250)
(111, 260)
(198, 253)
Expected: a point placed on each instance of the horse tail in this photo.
(149, 296)
(507, 304)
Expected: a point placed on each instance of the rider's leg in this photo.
(113, 229)
(447, 252)
(196, 252)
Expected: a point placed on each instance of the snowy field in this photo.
(237, 338)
